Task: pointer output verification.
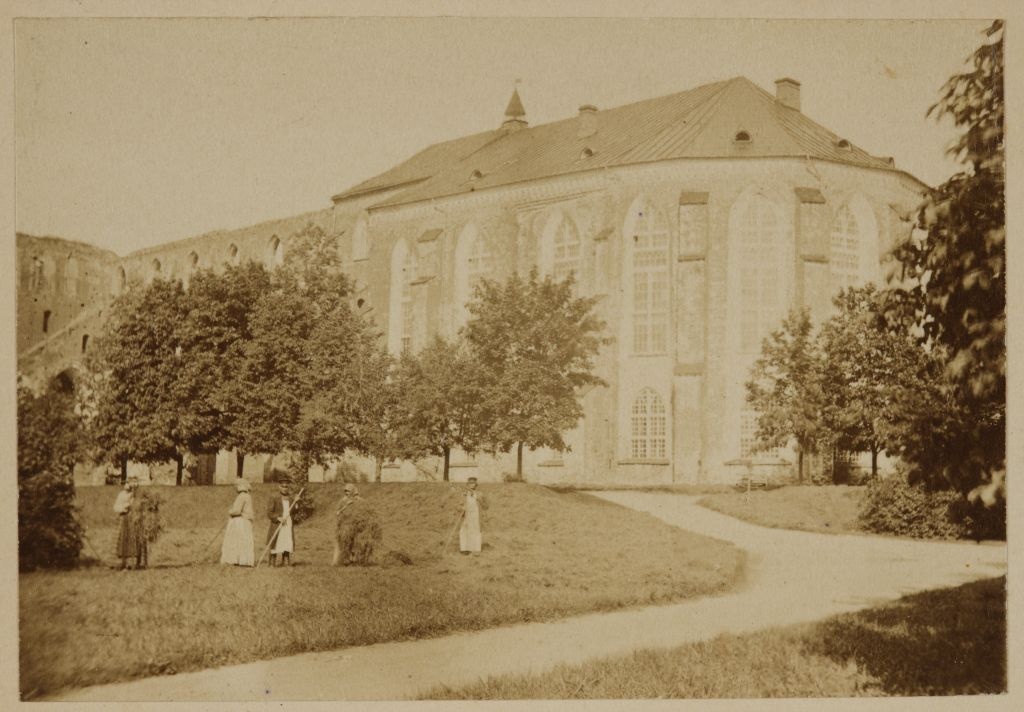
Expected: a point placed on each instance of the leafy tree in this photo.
(50, 441)
(137, 414)
(785, 388)
(869, 375)
(536, 344)
(212, 337)
(438, 403)
(954, 286)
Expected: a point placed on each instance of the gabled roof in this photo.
(698, 123)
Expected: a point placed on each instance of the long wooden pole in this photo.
(280, 524)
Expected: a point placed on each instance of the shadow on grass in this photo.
(945, 642)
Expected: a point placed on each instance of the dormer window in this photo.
(843, 144)
(476, 175)
(741, 137)
(587, 153)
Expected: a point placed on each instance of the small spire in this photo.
(515, 108)
(515, 114)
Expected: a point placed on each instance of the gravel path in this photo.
(791, 577)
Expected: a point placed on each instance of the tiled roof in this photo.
(698, 123)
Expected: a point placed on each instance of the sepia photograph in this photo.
(432, 356)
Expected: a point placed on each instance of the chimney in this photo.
(787, 92)
(588, 121)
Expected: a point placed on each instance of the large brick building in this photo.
(698, 219)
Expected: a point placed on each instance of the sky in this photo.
(131, 133)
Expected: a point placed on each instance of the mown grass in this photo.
(546, 555)
(828, 509)
(945, 642)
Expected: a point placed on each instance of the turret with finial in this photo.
(515, 114)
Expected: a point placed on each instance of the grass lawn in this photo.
(546, 555)
(829, 508)
(945, 642)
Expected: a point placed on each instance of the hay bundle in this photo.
(359, 533)
(152, 524)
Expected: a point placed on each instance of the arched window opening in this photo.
(408, 276)
(36, 278)
(71, 276)
(193, 262)
(759, 244)
(118, 281)
(567, 249)
(85, 342)
(844, 262)
(648, 427)
(46, 321)
(360, 243)
(750, 446)
(586, 153)
(478, 261)
(650, 270)
(473, 262)
(156, 266)
(234, 256)
(276, 251)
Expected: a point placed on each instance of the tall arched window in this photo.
(276, 251)
(234, 256)
(71, 276)
(408, 275)
(473, 262)
(759, 245)
(844, 260)
(648, 428)
(118, 281)
(360, 241)
(401, 306)
(567, 249)
(649, 247)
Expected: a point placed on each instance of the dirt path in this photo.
(791, 577)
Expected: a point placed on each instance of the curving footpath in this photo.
(791, 577)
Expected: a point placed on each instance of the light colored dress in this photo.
(238, 547)
(285, 543)
(469, 533)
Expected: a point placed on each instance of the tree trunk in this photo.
(124, 470)
(874, 462)
(835, 469)
(519, 462)
(378, 469)
(447, 459)
(180, 461)
(800, 465)
(239, 462)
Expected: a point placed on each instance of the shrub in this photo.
(892, 506)
(49, 439)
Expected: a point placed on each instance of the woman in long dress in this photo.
(470, 539)
(131, 534)
(238, 547)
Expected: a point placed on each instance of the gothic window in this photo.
(408, 275)
(71, 276)
(844, 260)
(276, 251)
(650, 250)
(648, 428)
(360, 241)
(759, 244)
(749, 444)
(36, 278)
(566, 245)
(478, 261)
(234, 256)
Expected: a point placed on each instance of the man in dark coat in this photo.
(281, 541)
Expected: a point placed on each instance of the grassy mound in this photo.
(832, 508)
(546, 555)
(946, 642)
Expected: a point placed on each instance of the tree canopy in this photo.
(954, 287)
(535, 343)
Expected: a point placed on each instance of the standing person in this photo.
(470, 540)
(283, 542)
(238, 547)
(131, 534)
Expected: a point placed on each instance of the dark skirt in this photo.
(131, 537)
